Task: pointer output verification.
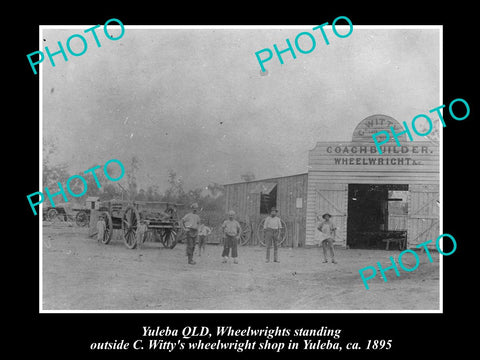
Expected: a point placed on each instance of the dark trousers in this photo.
(230, 242)
(191, 240)
(271, 238)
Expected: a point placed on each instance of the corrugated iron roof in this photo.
(265, 180)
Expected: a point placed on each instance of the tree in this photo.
(215, 189)
(211, 202)
(194, 196)
(152, 193)
(77, 186)
(53, 173)
(141, 196)
(132, 178)
(110, 191)
(175, 192)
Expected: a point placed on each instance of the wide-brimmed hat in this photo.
(194, 206)
(231, 212)
(326, 214)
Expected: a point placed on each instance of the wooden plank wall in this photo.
(423, 214)
(247, 205)
(329, 198)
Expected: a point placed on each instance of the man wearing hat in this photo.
(327, 230)
(231, 231)
(272, 227)
(190, 223)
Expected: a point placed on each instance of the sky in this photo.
(195, 101)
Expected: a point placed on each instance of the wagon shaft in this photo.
(160, 225)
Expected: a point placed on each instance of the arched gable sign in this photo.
(375, 123)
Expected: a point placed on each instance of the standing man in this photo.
(328, 230)
(272, 227)
(190, 223)
(231, 231)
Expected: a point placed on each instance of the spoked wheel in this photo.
(81, 219)
(52, 214)
(130, 222)
(169, 238)
(107, 235)
(180, 235)
(261, 235)
(246, 234)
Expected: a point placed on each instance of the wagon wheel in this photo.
(169, 238)
(107, 235)
(130, 221)
(180, 234)
(260, 233)
(52, 214)
(246, 234)
(81, 219)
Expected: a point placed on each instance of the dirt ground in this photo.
(81, 274)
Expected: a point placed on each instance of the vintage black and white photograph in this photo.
(224, 168)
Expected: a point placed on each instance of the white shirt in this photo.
(231, 227)
(272, 223)
(327, 227)
(191, 221)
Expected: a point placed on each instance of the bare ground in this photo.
(81, 274)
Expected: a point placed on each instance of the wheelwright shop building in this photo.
(375, 200)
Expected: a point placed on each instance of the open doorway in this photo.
(268, 198)
(377, 216)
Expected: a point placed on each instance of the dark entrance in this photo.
(377, 216)
(268, 198)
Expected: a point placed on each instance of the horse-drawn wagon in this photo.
(70, 212)
(140, 220)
